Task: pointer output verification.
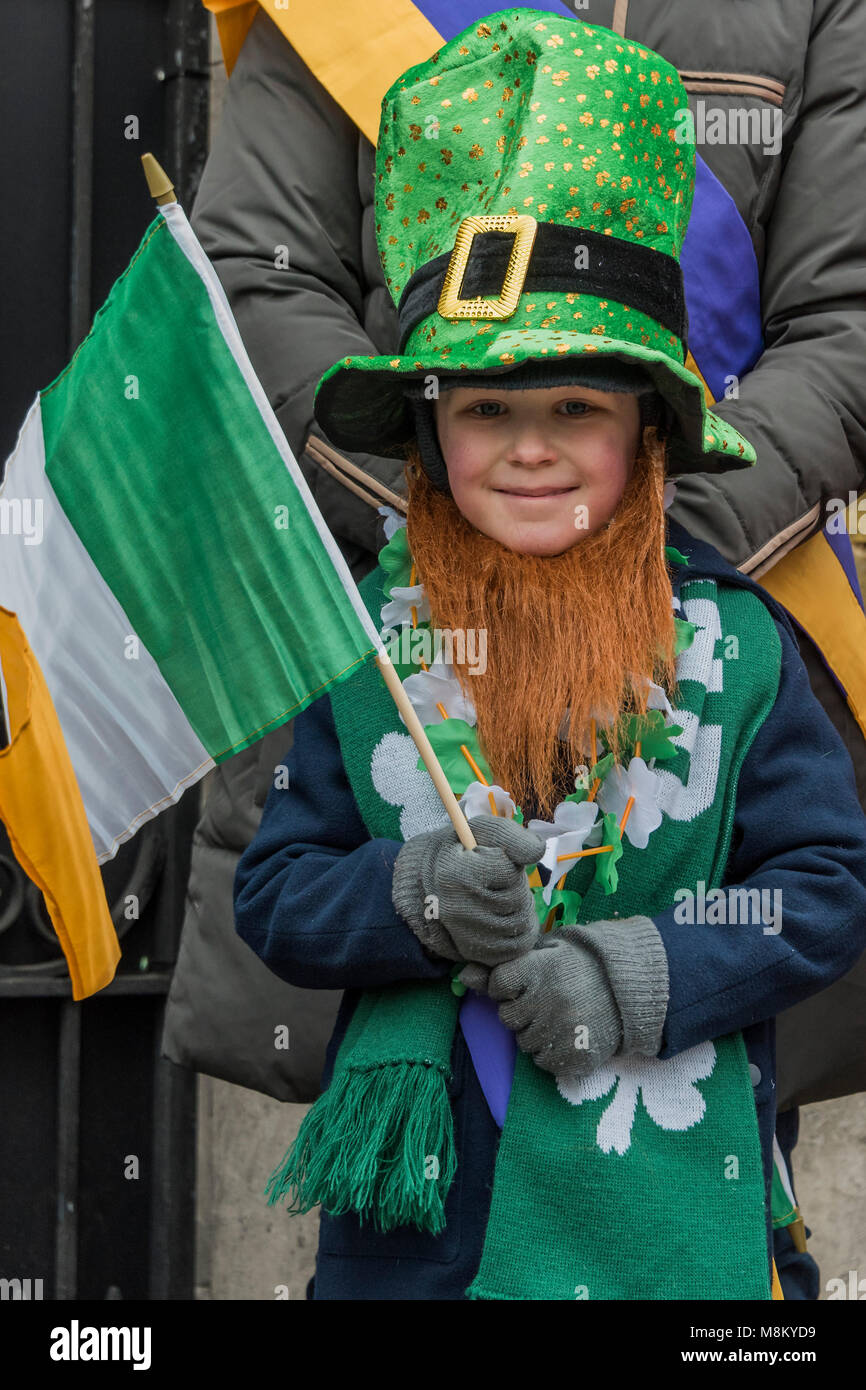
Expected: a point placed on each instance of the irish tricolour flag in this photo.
(170, 592)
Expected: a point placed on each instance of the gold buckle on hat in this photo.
(450, 305)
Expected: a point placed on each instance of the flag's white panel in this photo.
(130, 744)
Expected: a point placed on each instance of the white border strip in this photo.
(179, 226)
(782, 1170)
(131, 745)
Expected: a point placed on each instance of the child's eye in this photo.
(582, 407)
(480, 405)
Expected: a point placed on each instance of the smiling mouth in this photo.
(538, 492)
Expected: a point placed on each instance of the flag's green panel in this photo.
(167, 471)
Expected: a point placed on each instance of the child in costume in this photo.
(552, 1072)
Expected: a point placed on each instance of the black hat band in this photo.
(646, 280)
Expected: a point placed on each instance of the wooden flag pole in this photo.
(425, 748)
(325, 454)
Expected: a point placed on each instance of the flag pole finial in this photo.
(158, 182)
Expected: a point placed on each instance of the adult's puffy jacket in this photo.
(290, 167)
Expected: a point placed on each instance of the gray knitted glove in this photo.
(584, 995)
(470, 904)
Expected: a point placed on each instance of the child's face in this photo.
(538, 470)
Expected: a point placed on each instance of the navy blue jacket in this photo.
(313, 900)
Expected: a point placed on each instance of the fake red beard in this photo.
(574, 632)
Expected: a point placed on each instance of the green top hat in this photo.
(531, 204)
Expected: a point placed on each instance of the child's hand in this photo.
(583, 995)
(470, 904)
(559, 1004)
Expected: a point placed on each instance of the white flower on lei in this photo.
(657, 699)
(573, 824)
(666, 1087)
(475, 801)
(394, 520)
(398, 610)
(640, 782)
(438, 685)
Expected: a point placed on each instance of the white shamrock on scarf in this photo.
(401, 782)
(666, 1087)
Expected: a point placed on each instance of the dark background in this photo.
(75, 201)
(82, 1086)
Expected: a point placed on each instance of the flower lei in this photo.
(625, 797)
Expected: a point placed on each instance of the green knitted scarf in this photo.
(645, 1180)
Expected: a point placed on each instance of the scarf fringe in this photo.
(375, 1143)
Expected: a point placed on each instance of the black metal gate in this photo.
(97, 1138)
